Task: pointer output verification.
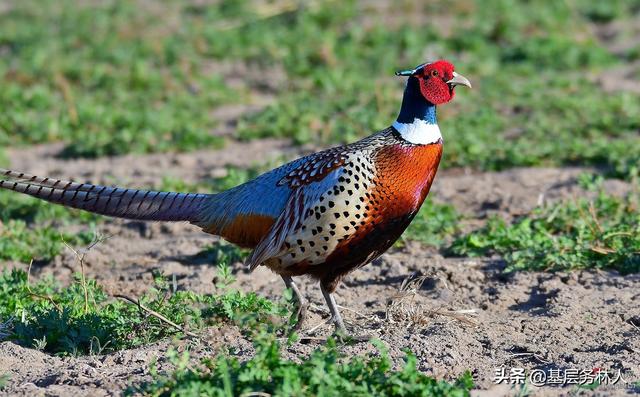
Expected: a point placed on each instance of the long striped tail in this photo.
(111, 201)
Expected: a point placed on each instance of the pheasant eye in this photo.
(434, 73)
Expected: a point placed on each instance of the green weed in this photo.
(4, 379)
(19, 242)
(68, 321)
(434, 224)
(223, 252)
(327, 372)
(603, 233)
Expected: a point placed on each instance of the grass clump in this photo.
(603, 233)
(434, 224)
(22, 244)
(30, 228)
(4, 379)
(326, 372)
(83, 319)
(223, 252)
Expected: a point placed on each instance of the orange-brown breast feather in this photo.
(404, 177)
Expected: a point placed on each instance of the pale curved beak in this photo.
(459, 79)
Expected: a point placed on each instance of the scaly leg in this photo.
(335, 313)
(301, 302)
(341, 331)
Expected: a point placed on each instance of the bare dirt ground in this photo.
(577, 320)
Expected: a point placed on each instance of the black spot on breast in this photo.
(332, 225)
(299, 242)
(345, 213)
(346, 228)
(331, 204)
(319, 228)
(337, 215)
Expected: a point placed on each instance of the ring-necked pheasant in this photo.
(322, 215)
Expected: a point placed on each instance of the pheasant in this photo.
(323, 215)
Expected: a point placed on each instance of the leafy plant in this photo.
(602, 233)
(434, 224)
(18, 243)
(4, 378)
(66, 321)
(326, 372)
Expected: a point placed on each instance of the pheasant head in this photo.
(436, 80)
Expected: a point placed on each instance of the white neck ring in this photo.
(418, 132)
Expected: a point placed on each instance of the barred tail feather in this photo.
(111, 201)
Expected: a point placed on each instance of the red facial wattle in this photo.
(433, 82)
(435, 90)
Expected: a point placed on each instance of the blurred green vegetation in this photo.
(532, 63)
(105, 77)
(121, 76)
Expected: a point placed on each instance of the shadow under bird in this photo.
(323, 215)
